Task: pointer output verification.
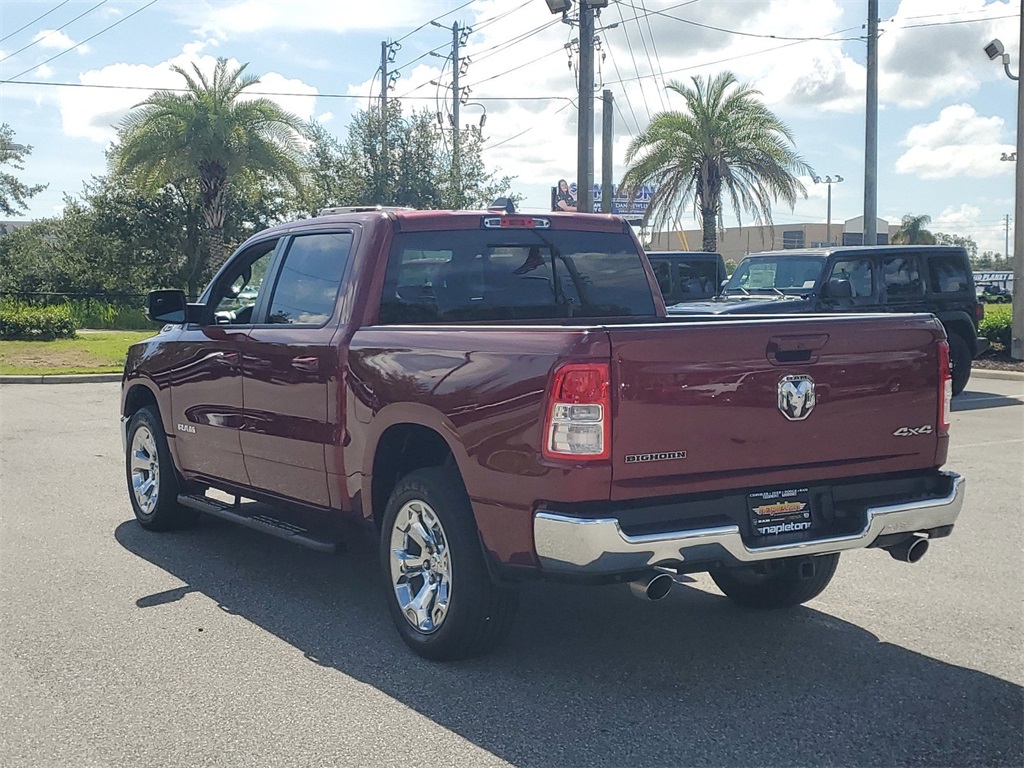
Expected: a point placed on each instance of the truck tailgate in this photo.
(698, 408)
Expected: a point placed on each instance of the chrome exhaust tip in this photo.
(911, 550)
(653, 587)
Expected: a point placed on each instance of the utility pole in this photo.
(607, 107)
(1006, 237)
(585, 126)
(456, 96)
(871, 131)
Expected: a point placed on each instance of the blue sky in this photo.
(947, 112)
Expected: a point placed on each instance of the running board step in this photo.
(262, 523)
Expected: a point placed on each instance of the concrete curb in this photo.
(62, 378)
(988, 373)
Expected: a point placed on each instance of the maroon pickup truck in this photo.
(502, 397)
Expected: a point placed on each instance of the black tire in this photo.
(959, 362)
(159, 510)
(776, 584)
(477, 613)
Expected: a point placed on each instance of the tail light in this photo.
(945, 386)
(979, 311)
(579, 413)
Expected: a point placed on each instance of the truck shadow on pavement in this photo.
(591, 676)
(975, 401)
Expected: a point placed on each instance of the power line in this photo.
(636, 69)
(520, 66)
(83, 42)
(53, 32)
(105, 86)
(625, 91)
(654, 45)
(740, 56)
(436, 18)
(728, 31)
(961, 21)
(572, 103)
(37, 18)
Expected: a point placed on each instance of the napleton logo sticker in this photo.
(780, 508)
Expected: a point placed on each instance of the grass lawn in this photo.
(89, 353)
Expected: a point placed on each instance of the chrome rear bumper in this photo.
(595, 546)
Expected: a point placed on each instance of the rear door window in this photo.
(491, 275)
(901, 279)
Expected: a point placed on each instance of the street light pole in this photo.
(994, 50)
(828, 181)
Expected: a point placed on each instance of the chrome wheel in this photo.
(145, 469)
(421, 570)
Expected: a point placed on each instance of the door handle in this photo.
(307, 364)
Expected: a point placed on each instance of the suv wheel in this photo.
(152, 480)
(440, 594)
(959, 362)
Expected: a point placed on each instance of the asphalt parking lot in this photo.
(222, 647)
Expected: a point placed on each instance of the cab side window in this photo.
(901, 278)
(236, 293)
(307, 286)
(851, 279)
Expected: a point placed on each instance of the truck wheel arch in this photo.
(140, 392)
(399, 446)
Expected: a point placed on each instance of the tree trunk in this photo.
(710, 224)
(212, 183)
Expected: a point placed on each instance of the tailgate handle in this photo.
(795, 349)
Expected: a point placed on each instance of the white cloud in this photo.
(51, 38)
(95, 113)
(232, 19)
(43, 71)
(924, 57)
(959, 143)
(970, 221)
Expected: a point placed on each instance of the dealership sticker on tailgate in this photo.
(781, 511)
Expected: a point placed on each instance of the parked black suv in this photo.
(687, 275)
(893, 278)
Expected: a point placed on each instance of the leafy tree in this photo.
(14, 195)
(967, 243)
(912, 231)
(726, 146)
(209, 136)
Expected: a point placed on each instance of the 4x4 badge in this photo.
(796, 397)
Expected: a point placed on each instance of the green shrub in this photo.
(22, 321)
(995, 326)
(105, 315)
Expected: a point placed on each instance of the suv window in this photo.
(307, 286)
(857, 273)
(513, 275)
(235, 294)
(948, 274)
(901, 278)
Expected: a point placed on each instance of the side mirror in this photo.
(167, 306)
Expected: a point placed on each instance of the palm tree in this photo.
(912, 231)
(727, 143)
(208, 135)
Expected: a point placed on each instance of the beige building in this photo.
(736, 242)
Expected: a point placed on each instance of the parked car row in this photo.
(906, 278)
